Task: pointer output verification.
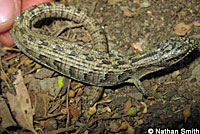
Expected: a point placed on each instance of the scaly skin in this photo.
(93, 66)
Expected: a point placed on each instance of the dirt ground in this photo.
(130, 26)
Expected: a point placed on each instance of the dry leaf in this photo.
(137, 46)
(127, 105)
(107, 109)
(6, 117)
(71, 93)
(145, 107)
(104, 101)
(126, 11)
(41, 104)
(38, 66)
(92, 110)
(76, 86)
(125, 125)
(21, 104)
(187, 112)
(75, 113)
(11, 70)
(50, 124)
(182, 28)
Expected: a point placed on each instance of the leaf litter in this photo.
(21, 104)
(125, 113)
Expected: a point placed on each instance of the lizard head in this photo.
(175, 49)
(165, 53)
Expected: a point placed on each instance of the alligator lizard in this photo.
(92, 66)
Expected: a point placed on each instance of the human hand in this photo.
(9, 10)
